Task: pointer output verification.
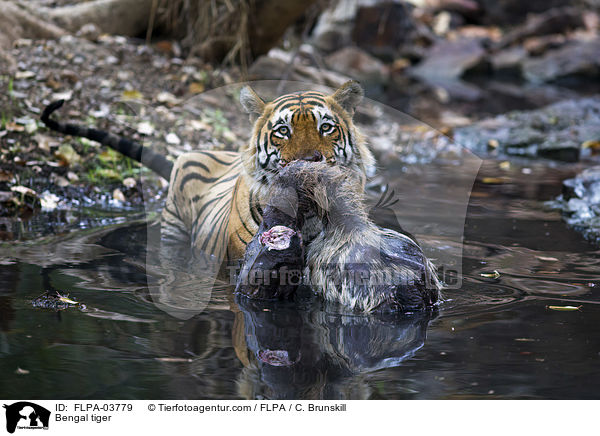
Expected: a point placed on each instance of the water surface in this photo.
(491, 338)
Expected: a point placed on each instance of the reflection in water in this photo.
(290, 353)
(9, 275)
(489, 336)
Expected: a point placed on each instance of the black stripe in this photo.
(257, 219)
(175, 214)
(216, 159)
(288, 105)
(195, 164)
(240, 238)
(201, 211)
(245, 225)
(220, 212)
(215, 239)
(313, 102)
(195, 176)
(286, 97)
(208, 239)
(219, 232)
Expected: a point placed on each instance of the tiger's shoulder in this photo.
(199, 200)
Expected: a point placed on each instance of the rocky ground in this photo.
(580, 203)
(112, 83)
(462, 79)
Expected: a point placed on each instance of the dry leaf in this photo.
(49, 201)
(132, 94)
(67, 155)
(200, 125)
(5, 176)
(493, 180)
(564, 308)
(129, 182)
(196, 88)
(504, 165)
(172, 359)
(110, 155)
(173, 139)
(66, 299)
(43, 142)
(593, 144)
(14, 127)
(228, 135)
(493, 143)
(118, 195)
(167, 97)
(494, 275)
(24, 75)
(145, 128)
(24, 190)
(108, 173)
(72, 176)
(61, 181)
(62, 95)
(547, 259)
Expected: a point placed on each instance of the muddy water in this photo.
(490, 338)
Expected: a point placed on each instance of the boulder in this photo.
(554, 132)
(508, 61)
(277, 65)
(577, 58)
(382, 29)
(553, 21)
(334, 26)
(358, 64)
(446, 62)
(450, 60)
(580, 203)
(538, 45)
(511, 12)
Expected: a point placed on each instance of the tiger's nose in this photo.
(315, 156)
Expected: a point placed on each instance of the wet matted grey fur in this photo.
(350, 261)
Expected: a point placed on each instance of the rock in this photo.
(556, 20)
(538, 45)
(577, 58)
(274, 68)
(508, 61)
(448, 60)
(580, 203)
(554, 132)
(89, 31)
(384, 28)
(511, 12)
(358, 64)
(334, 27)
(486, 35)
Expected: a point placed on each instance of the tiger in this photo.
(213, 203)
(352, 262)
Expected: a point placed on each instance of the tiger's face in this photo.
(305, 126)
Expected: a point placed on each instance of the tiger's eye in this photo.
(283, 130)
(326, 128)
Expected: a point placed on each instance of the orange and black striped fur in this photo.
(214, 199)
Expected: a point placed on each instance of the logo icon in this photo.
(26, 415)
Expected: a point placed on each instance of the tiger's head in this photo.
(305, 126)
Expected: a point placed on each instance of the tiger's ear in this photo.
(349, 95)
(251, 102)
